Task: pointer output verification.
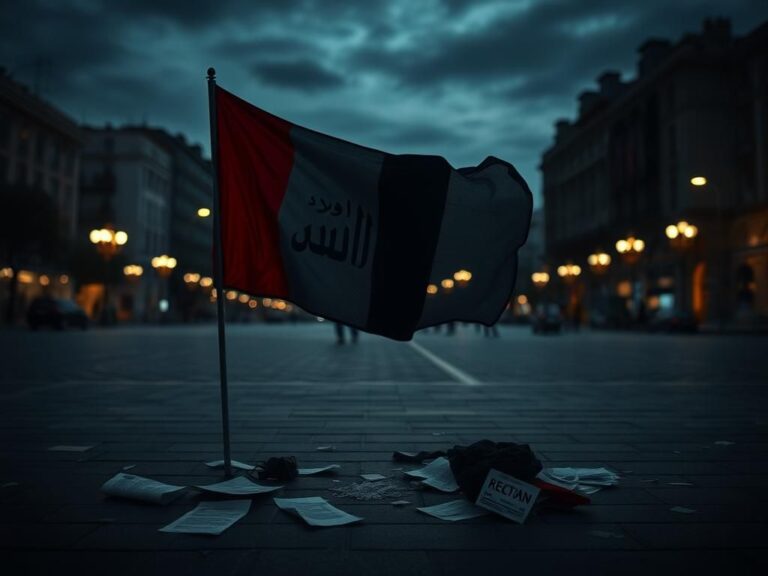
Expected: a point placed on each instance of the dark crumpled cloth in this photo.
(281, 468)
(470, 464)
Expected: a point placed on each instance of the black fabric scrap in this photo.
(471, 464)
(281, 468)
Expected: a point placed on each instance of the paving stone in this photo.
(149, 397)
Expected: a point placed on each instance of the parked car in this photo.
(546, 318)
(56, 313)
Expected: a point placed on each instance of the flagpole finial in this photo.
(211, 73)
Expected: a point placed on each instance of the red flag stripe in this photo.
(254, 167)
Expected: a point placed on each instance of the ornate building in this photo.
(672, 163)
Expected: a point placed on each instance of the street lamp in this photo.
(630, 248)
(681, 236)
(681, 233)
(540, 279)
(599, 262)
(164, 265)
(133, 271)
(191, 279)
(108, 241)
(569, 272)
(203, 212)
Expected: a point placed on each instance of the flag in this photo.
(383, 242)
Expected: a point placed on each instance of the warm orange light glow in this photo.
(191, 277)
(671, 231)
(164, 264)
(231, 294)
(44, 280)
(699, 181)
(599, 260)
(462, 276)
(447, 283)
(203, 212)
(522, 299)
(6, 272)
(26, 277)
(624, 289)
(64, 279)
(243, 298)
(206, 281)
(133, 270)
(569, 271)
(431, 289)
(252, 303)
(540, 279)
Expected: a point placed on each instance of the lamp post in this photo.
(133, 272)
(599, 262)
(164, 266)
(108, 242)
(540, 279)
(569, 273)
(630, 249)
(681, 236)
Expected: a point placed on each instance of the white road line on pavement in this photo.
(446, 367)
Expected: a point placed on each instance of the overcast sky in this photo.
(461, 78)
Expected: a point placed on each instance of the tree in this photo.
(29, 230)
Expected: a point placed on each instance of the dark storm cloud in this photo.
(463, 78)
(304, 75)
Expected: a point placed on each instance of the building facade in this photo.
(126, 186)
(682, 143)
(190, 224)
(158, 189)
(40, 149)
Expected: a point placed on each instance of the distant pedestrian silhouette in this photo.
(339, 327)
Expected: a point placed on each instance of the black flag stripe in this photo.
(412, 192)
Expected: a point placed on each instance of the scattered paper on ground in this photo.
(218, 464)
(454, 510)
(682, 510)
(585, 480)
(369, 490)
(69, 448)
(140, 488)
(313, 471)
(239, 486)
(210, 517)
(437, 474)
(372, 477)
(316, 511)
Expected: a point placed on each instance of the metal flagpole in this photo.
(218, 271)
